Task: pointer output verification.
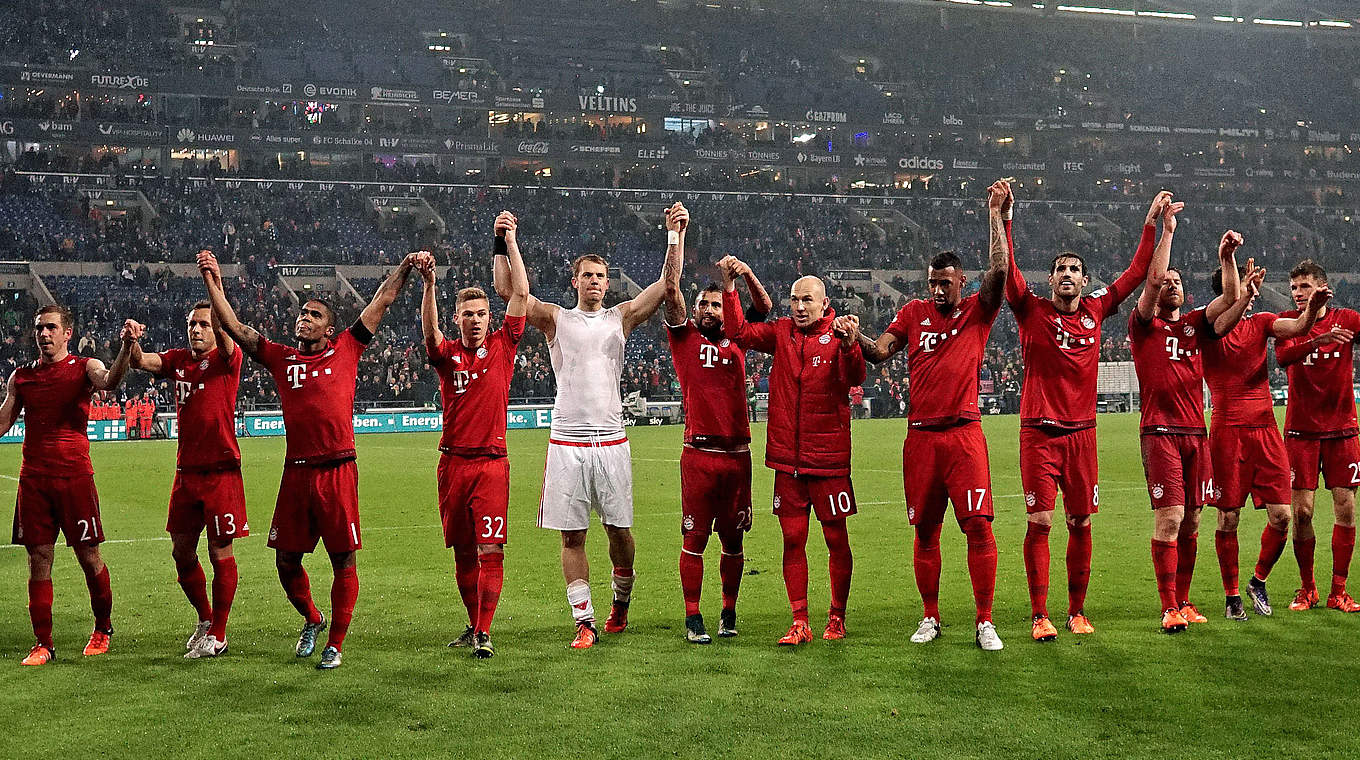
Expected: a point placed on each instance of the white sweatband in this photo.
(672, 237)
(1006, 215)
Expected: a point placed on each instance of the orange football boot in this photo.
(799, 633)
(1172, 622)
(1191, 613)
(618, 618)
(39, 655)
(1304, 600)
(585, 636)
(1043, 629)
(1080, 624)
(1343, 602)
(835, 628)
(99, 644)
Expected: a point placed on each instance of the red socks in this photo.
(1225, 544)
(40, 610)
(465, 572)
(344, 593)
(223, 592)
(489, 582)
(1036, 567)
(101, 599)
(840, 564)
(795, 529)
(1272, 546)
(1078, 567)
(981, 564)
(1164, 563)
(730, 567)
(1303, 552)
(926, 562)
(195, 585)
(298, 587)
(1186, 548)
(692, 570)
(1343, 546)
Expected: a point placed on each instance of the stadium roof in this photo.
(1302, 15)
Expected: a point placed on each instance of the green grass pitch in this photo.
(1279, 687)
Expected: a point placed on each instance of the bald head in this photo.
(807, 300)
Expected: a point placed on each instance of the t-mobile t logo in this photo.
(929, 340)
(295, 374)
(708, 354)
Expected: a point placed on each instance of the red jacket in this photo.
(810, 379)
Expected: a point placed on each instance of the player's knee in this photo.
(977, 529)
(184, 557)
(490, 549)
(573, 539)
(40, 562)
(694, 541)
(1078, 522)
(288, 562)
(1228, 520)
(1044, 519)
(344, 560)
(89, 559)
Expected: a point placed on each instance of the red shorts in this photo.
(1179, 470)
(474, 499)
(317, 501)
(1249, 461)
(943, 466)
(1051, 460)
(214, 500)
(49, 503)
(1338, 459)
(830, 498)
(715, 491)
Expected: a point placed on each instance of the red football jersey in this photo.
(205, 400)
(944, 354)
(1061, 351)
(316, 392)
(1235, 369)
(1321, 380)
(1166, 356)
(712, 388)
(55, 399)
(475, 386)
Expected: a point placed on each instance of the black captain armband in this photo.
(755, 315)
(499, 248)
(360, 332)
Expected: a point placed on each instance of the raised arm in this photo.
(644, 304)
(1232, 286)
(750, 336)
(1126, 282)
(247, 337)
(9, 411)
(429, 306)
(1161, 258)
(879, 350)
(998, 256)
(106, 379)
(146, 362)
(1015, 281)
(541, 315)
(1248, 289)
(387, 293)
(760, 300)
(675, 299)
(1286, 329)
(517, 305)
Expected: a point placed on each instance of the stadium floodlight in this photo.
(805, 137)
(1090, 9)
(999, 3)
(1276, 22)
(1229, 19)
(1335, 24)
(965, 2)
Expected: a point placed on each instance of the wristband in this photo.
(672, 237)
(499, 246)
(1006, 216)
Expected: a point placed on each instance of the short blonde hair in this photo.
(591, 257)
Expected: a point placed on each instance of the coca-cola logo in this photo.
(533, 147)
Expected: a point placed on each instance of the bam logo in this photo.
(708, 354)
